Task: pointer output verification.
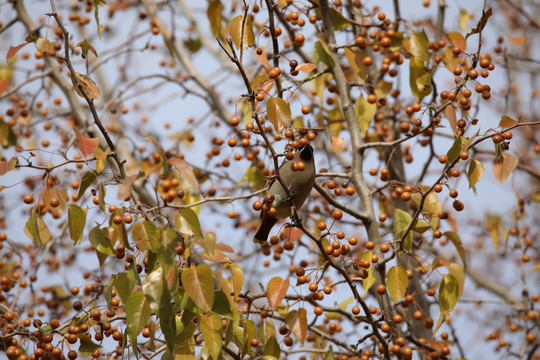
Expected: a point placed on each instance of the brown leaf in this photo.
(450, 113)
(89, 87)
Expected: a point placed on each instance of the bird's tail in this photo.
(267, 224)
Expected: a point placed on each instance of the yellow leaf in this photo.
(504, 167)
(364, 112)
(463, 19)
(278, 112)
(397, 282)
(242, 36)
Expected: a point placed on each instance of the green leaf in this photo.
(167, 319)
(364, 112)
(507, 121)
(448, 293)
(101, 242)
(199, 284)
(504, 167)
(296, 322)
(276, 291)
(96, 15)
(421, 227)
(212, 329)
(144, 234)
(402, 220)
(271, 348)
(456, 149)
(456, 240)
(397, 282)
(329, 354)
(192, 220)
(355, 59)
(137, 312)
(338, 20)
(370, 279)
(278, 112)
(245, 37)
(76, 222)
(185, 343)
(222, 305)
(475, 172)
(87, 180)
(87, 347)
(323, 55)
(85, 47)
(254, 178)
(123, 287)
(419, 78)
(214, 16)
(193, 44)
(152, 287)
(418, 46)
(36, 229)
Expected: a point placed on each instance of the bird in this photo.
(299, 183)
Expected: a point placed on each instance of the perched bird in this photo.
(299, 176)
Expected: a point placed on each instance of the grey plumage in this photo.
(299, 183)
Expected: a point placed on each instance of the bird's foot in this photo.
(296, 222)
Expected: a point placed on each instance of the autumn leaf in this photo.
(475, 173)
(504, 167)
(86, 145)
(296, 322)
(306, 67)
(88, 85)
(214, 16)
(507, 121)
(278, 112)
(364, 112)
(336, 143)
(242, 37)
(276, 291)
(418, 46)
(85, 47)
(44, 45)
(13, 50)
(450, 113)
(263, 59)
(397, 282)
(199, 284)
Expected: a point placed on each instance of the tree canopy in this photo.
(139, 139)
